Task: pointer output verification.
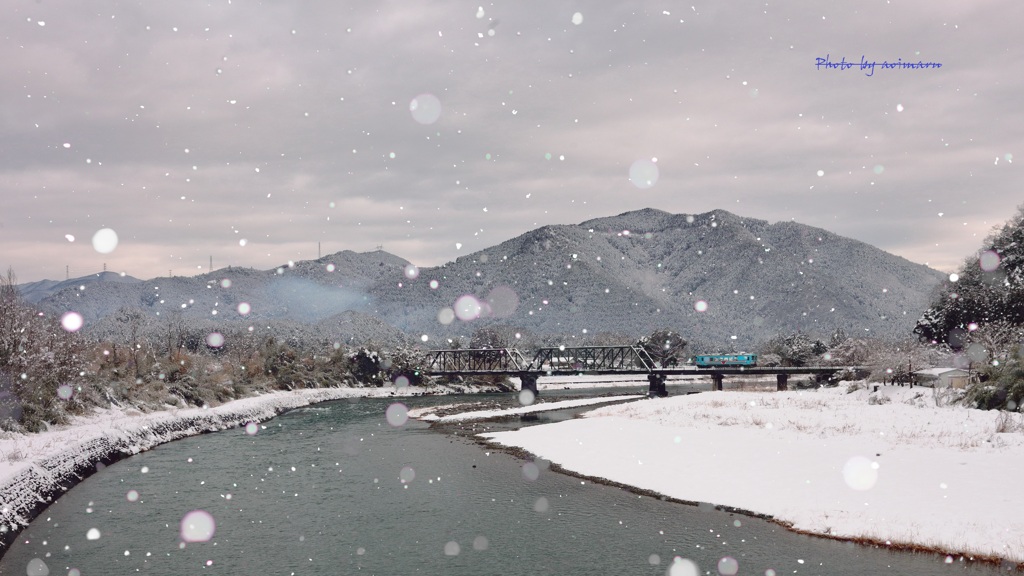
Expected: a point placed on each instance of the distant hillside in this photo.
(35, 291)
(628, 274)
(647, 269)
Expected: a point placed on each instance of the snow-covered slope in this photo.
(627, 275)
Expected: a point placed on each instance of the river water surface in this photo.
(335, 489)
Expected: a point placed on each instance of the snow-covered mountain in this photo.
(711, 277)
(33, 292)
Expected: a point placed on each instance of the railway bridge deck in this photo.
(596, 360)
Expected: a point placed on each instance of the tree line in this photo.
(978, 314)
(49, 373)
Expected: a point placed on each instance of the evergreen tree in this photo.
(988, 289)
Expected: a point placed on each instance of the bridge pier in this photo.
(529, 380)
(781, 382)
(717, 378)
(657, 387)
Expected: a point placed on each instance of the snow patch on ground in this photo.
(897, 465)
(428, 414)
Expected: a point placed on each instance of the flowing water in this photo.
(335, 489)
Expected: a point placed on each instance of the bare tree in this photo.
(131, 322)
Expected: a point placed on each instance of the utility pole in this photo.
(67, 272)
(318, 251)
(211, 262)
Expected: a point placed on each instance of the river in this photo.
(335, 489)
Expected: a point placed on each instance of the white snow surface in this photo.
(427, 414)
(895, 466)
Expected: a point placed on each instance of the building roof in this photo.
(940, 371)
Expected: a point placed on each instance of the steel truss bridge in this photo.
(571, 361)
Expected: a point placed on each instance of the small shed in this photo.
(943, 377)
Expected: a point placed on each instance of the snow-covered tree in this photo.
(988, 289)
(666, 347)
(796, 349)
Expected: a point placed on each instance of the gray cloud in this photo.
(191, 127)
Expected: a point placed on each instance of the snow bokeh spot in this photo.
(252, 428)
(407, 475)
(480, 543)
(132, 496)
(452, 549)
(541, 505)
(197, 526)
(683, 567)
(860, 473)
(531, 471)
(643, 174)
(502, 301)
(425, 108)
(244, 308)
(989, 260)
(93, 534)
(104, 241)
(445, 316)
(65, 392)
(397, 414)
(36, 567)
(214, 339)
(728, 566)
(526, 397)
(412, 272)
(577, 18)
(467, 307)
(700, 306)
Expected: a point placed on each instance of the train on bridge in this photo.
(628, 359)
(709, 360)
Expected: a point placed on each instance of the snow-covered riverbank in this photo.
(891, 466)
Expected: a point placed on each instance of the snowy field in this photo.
(895, 466)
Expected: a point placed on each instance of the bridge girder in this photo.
(479, 361)
(561, 359)
(592, 358)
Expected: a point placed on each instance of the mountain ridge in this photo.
(715, 276)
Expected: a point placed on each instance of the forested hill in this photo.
(711, 276)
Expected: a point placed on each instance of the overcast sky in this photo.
(252, 131)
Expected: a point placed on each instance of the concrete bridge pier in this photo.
(529, 380)
(657, 387)
(718, 378)
(781, 382)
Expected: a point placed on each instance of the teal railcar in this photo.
(706, 360)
